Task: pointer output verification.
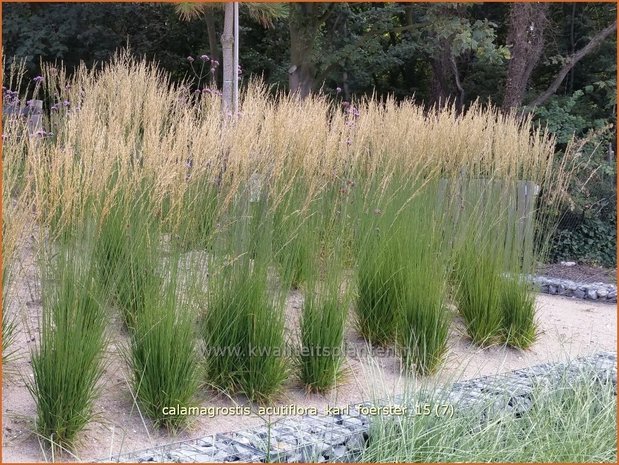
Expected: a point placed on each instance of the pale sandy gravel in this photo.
(568, 328)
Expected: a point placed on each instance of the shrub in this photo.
(592, 241)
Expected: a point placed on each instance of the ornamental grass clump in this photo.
(125, 252)
(325, 308)
(9, 321)
(423, 321)
(243, 332)
(378, 287)
(519, 326)
(386, 228)
(478, 292)
(243, 324)
(479, 256)
(295, 235)
(571, 420)
(162, 354)
(195, 219)
(378, 273)
(322, 336)
(68, 361)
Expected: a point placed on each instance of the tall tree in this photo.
(571, 61)
(525, 37)
(306, 19)
(265, 13)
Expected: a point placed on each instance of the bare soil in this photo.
(567, 328)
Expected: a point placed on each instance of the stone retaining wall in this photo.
(591, 291)
(342, 437)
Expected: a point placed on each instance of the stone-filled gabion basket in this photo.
(590, 291)
(341, 438)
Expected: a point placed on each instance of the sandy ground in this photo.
(568, 328)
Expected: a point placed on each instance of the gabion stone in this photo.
(579, 294)
(592, 294)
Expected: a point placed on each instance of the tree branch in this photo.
(571, 62)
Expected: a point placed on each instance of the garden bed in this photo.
(299, 256)
(568, 328)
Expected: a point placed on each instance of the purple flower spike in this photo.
(345, 104)
(38, 79)
(190, 59)
(338, 89)
(66, 103)
(204, 57)
(213, 70)
(55, 107)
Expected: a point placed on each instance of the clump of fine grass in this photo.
(244, 335)
(325, 306)
(162, 355)
(9, 322)
(322, 335)
(379, 276)
(243, 328)
(195, 219)
(573, 420)
(378, 282)
(478, 261)
(294, 235)
(125, 253)
(423, 321)
(519, 326)
(518, 312)
(9, 335)
(68, 361)
(384, 274)
(478, 294)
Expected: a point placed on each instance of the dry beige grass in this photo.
(126, 123)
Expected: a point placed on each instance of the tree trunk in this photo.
(304, 25)
(441, 87)
(209, 18)
(595, 42)
(525, 38)
(227, 40)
